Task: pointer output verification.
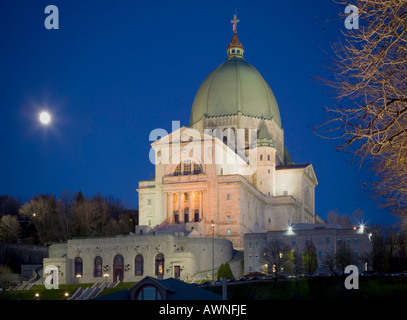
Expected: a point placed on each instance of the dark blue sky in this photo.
(115, 70)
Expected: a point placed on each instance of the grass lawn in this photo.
(327, 288)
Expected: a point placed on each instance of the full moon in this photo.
(45, 117)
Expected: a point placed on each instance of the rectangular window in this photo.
(256, 257)
(356, 240)
(250, 244)
(250, 257)
(228, 196)
(327, 240)
(228, 232)
(256, 244)
(348, 240)
(293, 242)
(228, 218)
(149, 202)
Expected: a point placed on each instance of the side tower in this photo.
(265, 174)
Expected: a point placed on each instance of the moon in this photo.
(45, 117)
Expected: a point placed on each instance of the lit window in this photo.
(78, 267)
(228, 232)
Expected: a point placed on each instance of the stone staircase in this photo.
(35, 279)
(91, 292)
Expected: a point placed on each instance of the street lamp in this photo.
(106, 274)
(213, 250)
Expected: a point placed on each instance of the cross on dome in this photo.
(235, 48)
(234, 22)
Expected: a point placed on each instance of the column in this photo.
(180, 206)
(191, 205)
(200, 204)
(170, 208)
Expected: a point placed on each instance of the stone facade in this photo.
(193, 185)
(130, 258)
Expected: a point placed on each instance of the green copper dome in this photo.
(232, 88)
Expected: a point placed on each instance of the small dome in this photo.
(235, 87)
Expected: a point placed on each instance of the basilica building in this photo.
(229, 172)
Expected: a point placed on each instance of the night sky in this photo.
(116, 70)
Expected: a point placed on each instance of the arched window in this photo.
(187, 167)
(97, 270)
(118, 268)
(78, 267)
(159, 265)
(148, 292)
(118, 259)
(139, 265)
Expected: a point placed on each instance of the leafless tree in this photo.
(279, 257)
(333, 216)
(41, 210)
(10, 229)
(370, 82)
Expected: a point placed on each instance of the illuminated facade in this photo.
(229, 172)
